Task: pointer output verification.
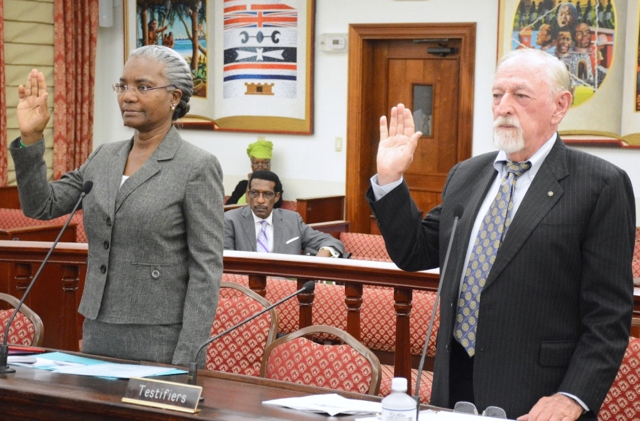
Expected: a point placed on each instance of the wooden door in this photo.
(389, 64)
(428, 84)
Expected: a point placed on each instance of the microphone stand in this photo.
(308, 287)
(458, 213)
(4, 348)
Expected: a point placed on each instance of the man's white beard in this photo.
(508, 140)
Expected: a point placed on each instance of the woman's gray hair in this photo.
(558, 78)
(176, 70)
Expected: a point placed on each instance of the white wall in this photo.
(309, 165)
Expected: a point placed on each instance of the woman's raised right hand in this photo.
(33, 113)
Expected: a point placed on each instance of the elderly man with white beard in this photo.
(537, 298)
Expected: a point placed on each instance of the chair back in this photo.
(350, 366)
(365, 246)
(241, 350)
(26, 329)
(621, 403)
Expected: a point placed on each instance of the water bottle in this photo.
(398, 406)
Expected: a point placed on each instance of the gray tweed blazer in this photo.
(155, 244)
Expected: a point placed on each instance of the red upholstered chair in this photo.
(350, 366)
(26, 329)
(14, 218)
(240, 351)
(635, 264)
(365, 246)
(289, 205)
(378, 320)
(623, 400)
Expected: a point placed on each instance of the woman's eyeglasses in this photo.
(121, 88)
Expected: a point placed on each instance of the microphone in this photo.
(4, 348)
(458, 210)
(308, 288)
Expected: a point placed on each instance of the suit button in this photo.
(103, 269)
(108, 221)
(106, 245)
(155, 274)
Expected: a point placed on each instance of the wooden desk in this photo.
(30, 394)
(319, 209)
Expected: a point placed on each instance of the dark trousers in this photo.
(460, 375)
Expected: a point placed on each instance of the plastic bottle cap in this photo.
(399, 384)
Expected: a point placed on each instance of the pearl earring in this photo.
(173, 107)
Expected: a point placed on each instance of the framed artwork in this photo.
(588, 37)
(251, 60)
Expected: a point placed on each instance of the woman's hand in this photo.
(33, 113)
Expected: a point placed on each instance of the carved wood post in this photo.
(306, 303)
(353, 300)
(258, 284)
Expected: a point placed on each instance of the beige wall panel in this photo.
(28, 33)
(29, 55)
(17, 75)
(33, 11)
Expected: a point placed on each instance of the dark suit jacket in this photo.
(155, 244)
(556, 309)
(291, 235)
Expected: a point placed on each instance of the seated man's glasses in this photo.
(266, 194)
(121, 88)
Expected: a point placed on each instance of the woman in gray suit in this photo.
(154, 217)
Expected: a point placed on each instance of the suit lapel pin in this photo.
(550, 193)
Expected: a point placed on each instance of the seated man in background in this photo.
(259, 227)
(260, 153)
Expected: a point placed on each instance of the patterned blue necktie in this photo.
(490, 235)
(263, 240)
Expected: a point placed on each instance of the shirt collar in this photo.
(536, 159)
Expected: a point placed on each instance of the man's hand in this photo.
(324, 253)
(397, 144)
(32, 111)
(558, 407)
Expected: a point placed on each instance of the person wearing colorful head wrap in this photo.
(259, 153)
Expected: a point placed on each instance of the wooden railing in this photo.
(56, 296)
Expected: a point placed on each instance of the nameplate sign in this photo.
(163, 394)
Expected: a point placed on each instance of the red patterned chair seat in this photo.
(425, 382)
(14, 218)
(365, 246)
(635, 263)
(21, 332)
(240, 351)
(377, 318)
(350, 366)
(623, 400)
(26, 328)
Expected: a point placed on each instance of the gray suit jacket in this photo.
(155, 244)
(291, 235)
(556, 309)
